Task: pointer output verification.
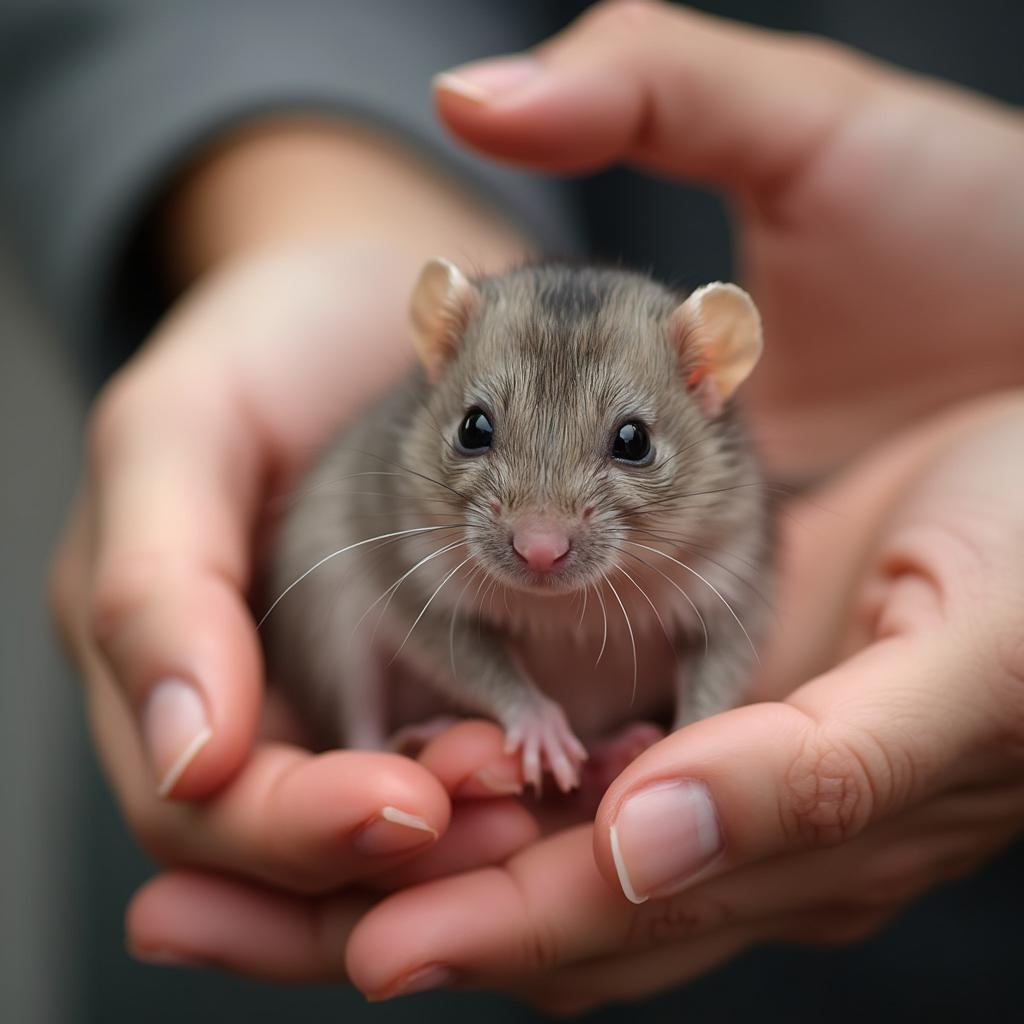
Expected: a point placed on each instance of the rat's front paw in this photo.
(542, 731)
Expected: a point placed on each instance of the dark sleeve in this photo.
(100, 104)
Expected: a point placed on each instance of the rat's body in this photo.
(552, 540)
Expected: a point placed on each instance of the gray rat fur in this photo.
(658, 604)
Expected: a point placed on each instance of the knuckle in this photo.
(625, 18)
(109, 419)
(818, 52)
(827, 794)
(678, 919)
(828, 60)
(119, 592)
(542, 948)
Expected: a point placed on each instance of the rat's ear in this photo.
(718, 333)
(441, 305)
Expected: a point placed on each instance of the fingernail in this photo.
(663, 835)
(392, 831)
(174, 728)
(421, 980)
(491, 782)
(487, 80)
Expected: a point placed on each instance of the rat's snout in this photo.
(541, 545)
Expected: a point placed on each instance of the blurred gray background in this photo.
(41, 742)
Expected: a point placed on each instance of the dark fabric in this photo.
(100, 102)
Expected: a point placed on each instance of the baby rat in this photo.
(562, 480)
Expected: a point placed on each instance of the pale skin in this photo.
(886, 754)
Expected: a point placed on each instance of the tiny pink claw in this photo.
(531, 766)
(577, 748)
(564, 774)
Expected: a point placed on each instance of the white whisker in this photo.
(682, 593)
(341, 551)
(477, 569)
(708, 584)
(677, 539)
(488, 598)
(423, 610)
(583, 610)
(646, 597)
(604, 619)
(484, 590)
(393, 588)
(629, 629)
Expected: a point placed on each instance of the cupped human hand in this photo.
(813, 815)
(878, 215)
(188, 446)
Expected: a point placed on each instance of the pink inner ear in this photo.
(702, 386)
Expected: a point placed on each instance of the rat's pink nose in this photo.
(540, 548)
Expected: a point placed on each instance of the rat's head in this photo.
(575, 413)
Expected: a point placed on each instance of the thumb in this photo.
(679, 92)
(880, 732)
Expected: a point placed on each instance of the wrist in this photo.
(288, 181)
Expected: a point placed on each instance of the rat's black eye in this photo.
(631, 443)
(475, 432)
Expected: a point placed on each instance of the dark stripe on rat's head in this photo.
(570, 295)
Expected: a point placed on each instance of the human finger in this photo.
(174, 486)
(865, 740)
(303, 822)
(546, 910)
(438, 926)
(188, 918)
(550, 930)
(470, 761)
(206, 919)
(290, 818)
(677, 91)
(480, 833)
